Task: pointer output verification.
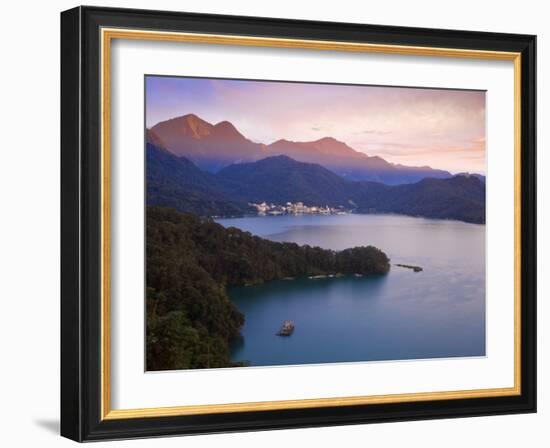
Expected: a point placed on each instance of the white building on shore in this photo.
(298, 208)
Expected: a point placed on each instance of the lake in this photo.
(439, 312)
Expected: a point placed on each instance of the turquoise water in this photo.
(439, 312)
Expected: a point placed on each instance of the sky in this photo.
(440, 128)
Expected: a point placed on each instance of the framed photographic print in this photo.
(274, 223)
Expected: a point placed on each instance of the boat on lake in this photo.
(286, 329)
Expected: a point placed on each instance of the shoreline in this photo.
(301, 215)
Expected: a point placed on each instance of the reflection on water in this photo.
(439, 312)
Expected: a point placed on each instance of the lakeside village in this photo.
(298, 208)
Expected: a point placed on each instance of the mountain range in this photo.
(175, 181)
(215, 146)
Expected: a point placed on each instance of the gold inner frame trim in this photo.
(107, 35)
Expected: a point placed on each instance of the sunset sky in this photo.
(440, 128)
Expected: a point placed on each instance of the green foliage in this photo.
(177, 183)
(280, 179)
(190, 262)
(460, 197)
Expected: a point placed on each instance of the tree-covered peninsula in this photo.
(190, 263)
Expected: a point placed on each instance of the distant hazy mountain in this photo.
(177, 183)
(213, 147)
(353, 165)
(280, 179)
(481, 177)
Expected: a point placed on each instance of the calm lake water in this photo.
(439, 312)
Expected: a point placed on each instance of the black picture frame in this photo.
(81, 225)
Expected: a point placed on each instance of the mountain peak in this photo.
(327, 140)
(330, 145)
(281, 141)
(226, 129)
(197, 125)
(224, 124)
(189, 125)
(209, 146)
(191, 116)
(326, 146)
(279, 158)
(191, 119)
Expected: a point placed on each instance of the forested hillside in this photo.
(177, 183)
(191, 261)
(280, 179)
(460, 197)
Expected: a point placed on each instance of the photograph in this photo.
(274, 222)
(293, 222)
